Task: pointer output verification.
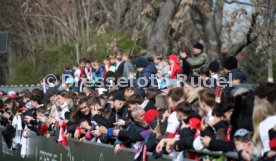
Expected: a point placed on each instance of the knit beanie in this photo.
(150, 115)
(141, 62)
(230, 63)
(198, 46)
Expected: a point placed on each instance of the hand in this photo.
(183, 55)
(85, 125)
(205, 141)
(117, 149)
(94, 111)
(120, 122)
(48, 136)
(102, 130)
(160, 146)
(96, 133)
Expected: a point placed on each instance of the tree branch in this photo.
(237, 2)
(238, 47)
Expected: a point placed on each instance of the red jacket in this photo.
(176, 69)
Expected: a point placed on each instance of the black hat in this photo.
(214, 66)
(119, 96)
(141, 62)
(230, 63)
(198, 46)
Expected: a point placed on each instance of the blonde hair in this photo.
(262, 109)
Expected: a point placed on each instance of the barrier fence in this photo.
(42, 149)
(18, 88)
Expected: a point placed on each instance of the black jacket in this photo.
(243, 111)
(215, 144)
(103, 122)
(78, 120)
(132, 133)
(119, 71)
(186, 68)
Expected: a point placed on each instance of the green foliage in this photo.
(45, 62)
(105, 43)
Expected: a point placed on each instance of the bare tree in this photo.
(267, 32)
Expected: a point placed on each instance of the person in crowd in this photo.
(128, 66)
(147, 73)
(82, 68)
(158, 61)
(149, 102)
(166, 67)
(197, 60)
(98, 73)
(77, 73)
(119, 68)
(188, 129)
(88, 70)
(27, 100)
(186, 68)
(206, 104)
(206, 79)
(210, 141)
(214, 67)
(265, 90)
(239, 82)
(262, 109)
(162, 104)
(107, 64)
(175, 96)
(264, 127)
(175, 67)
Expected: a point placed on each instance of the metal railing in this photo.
(18, 88)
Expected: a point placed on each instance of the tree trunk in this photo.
(157, 42)
(77, 47)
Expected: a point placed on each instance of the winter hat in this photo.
(174, 58)
(214, 66)
(150, 115)
(272, 138)
(119, 96)
(238, 74)
(198, 46)
(12, 94)
(230, 63)
(141, 62)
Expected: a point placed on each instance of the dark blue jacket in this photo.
(146, 73)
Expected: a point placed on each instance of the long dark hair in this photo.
(14, 107)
